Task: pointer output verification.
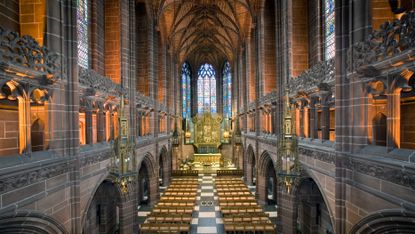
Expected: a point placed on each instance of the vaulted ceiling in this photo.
(202, 31)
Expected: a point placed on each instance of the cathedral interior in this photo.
(207, 116)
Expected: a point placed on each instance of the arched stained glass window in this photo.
(329, 45)
(186, 90)
(227, 90)
(82, 27)
(206, 89)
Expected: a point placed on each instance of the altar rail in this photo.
(185, 173)
(230, 173)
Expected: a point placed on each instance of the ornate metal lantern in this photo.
(288, 166)
(123, 155)
(175, 137)
(237, 135)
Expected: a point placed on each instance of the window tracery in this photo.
(206, 89)
(83, 42)
(186, 90)
(329, 16)
(227, 90)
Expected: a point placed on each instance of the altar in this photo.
(208, 159)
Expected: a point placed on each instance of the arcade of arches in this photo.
(136, 116)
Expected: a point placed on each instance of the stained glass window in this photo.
(330, 48)
(82, 16)
(227, 90)
(186, 90)
(206, 89)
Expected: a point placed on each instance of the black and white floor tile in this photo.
(207, 217)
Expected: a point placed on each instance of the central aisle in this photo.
(207, 217)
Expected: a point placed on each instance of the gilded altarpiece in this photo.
(207, 127)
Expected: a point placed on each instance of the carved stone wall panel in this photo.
(12, 181)
(19, 53)
(391, 39)
(398, 175)
(325, 156)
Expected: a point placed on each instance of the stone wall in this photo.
(9, 15)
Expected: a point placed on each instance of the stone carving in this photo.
(12, 181)
(328, 157)
(92, 80)
(396, 175)
(321, 73)
(24, 52)
(95, 157)
(143, 100)
(269, 98)
(392, 38)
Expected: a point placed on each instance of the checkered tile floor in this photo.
(207, 217)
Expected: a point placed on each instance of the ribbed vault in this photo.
(202, 31)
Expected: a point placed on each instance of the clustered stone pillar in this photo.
(394, 119)
(313, 118)
(325, 116)
(101, 125)
(88, 124)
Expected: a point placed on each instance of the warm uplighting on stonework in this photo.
(107, 125)
(82, 129)
(32, 18)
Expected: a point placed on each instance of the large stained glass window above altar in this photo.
(206, 89)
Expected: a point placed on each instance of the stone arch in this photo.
(14, 111)
(30, 222)
(38, 99)
(103, 209)
(267, 178)
(164, 166)
(147, 175)
(379, 123)
(386, 221)
(308, 193)
(250, 165)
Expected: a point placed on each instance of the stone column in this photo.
(313, 118)
(274, 118)
(301, 118)
(128, 213)
(325, 115)
(393, 139)
(287, 210)
(88, 123)
(261, 192)
(100, 125)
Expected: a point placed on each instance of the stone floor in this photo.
(207, 217)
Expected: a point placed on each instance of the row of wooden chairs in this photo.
(173, 193)
(178, 198)
(263, 228)
(241, 213)
(164, 228)
(175, 189)
(235, 193)
(229, 173)
(176, 203)
(173, 213)
(237, 198)
(170, 218)
(178, 186)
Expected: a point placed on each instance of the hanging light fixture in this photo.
(123, 155)
(175, 137)
(288, 166)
